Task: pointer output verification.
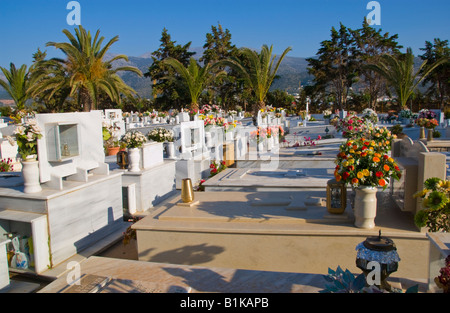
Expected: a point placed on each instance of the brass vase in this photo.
(430, 134)
(187, 191)
(422, 133)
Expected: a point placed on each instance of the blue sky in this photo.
(302, 25)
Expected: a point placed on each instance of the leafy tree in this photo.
(195, 77)
(218, 47)
(50, 100)
(18, 84)
(334, 68)
(258, 70)
(400, 74)
(279, 98)
(439, 79)
(370, 45)
(85, 69)
(166, 82)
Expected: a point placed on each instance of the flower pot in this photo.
(134, 158)
(365, 207)
(30, 173)
(170, 150)
(113, 150)
(430, 134)
(422, 133)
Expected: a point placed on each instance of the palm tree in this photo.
(196, 77)
(18, 84)
(400, 75)
(258, 70)
(85, 70)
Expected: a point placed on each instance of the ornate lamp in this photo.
(122, 159)
(381, 250)
(336, 197)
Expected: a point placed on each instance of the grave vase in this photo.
(134, 157)
(422, 133)
(30, 173)
(365, 207)
(430, 134)
(170, 150)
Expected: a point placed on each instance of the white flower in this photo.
(20, 130)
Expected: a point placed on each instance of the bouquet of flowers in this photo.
(435, 214)
(382, 137)
(26, 135)
(209, 120)
(216, 168)
(405, 113)
(327, 113)
(427, 123)
(133, 139)
(259, 134)
(443, 280)
(425, 113)
(6, 165)
(370, 116)
(351, 126)
(431, 123)
(161, 134)
(360, 163)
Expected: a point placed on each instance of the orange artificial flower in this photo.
(376, 159)
(382, 182)
(386, 167)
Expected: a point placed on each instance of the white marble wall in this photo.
(4, 272)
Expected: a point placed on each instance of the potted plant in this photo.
(134, 141)
(326, 116)
(365, 165)
(164, 135)
(110, 139)
(435, 214)
(27, 135)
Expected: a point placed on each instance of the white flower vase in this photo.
(134, 157)
(365, 207)
(30, 173)
(170, 150)
(154, 120)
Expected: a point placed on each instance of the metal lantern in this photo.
(122, 159)
(336, 197)
(381, 250)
